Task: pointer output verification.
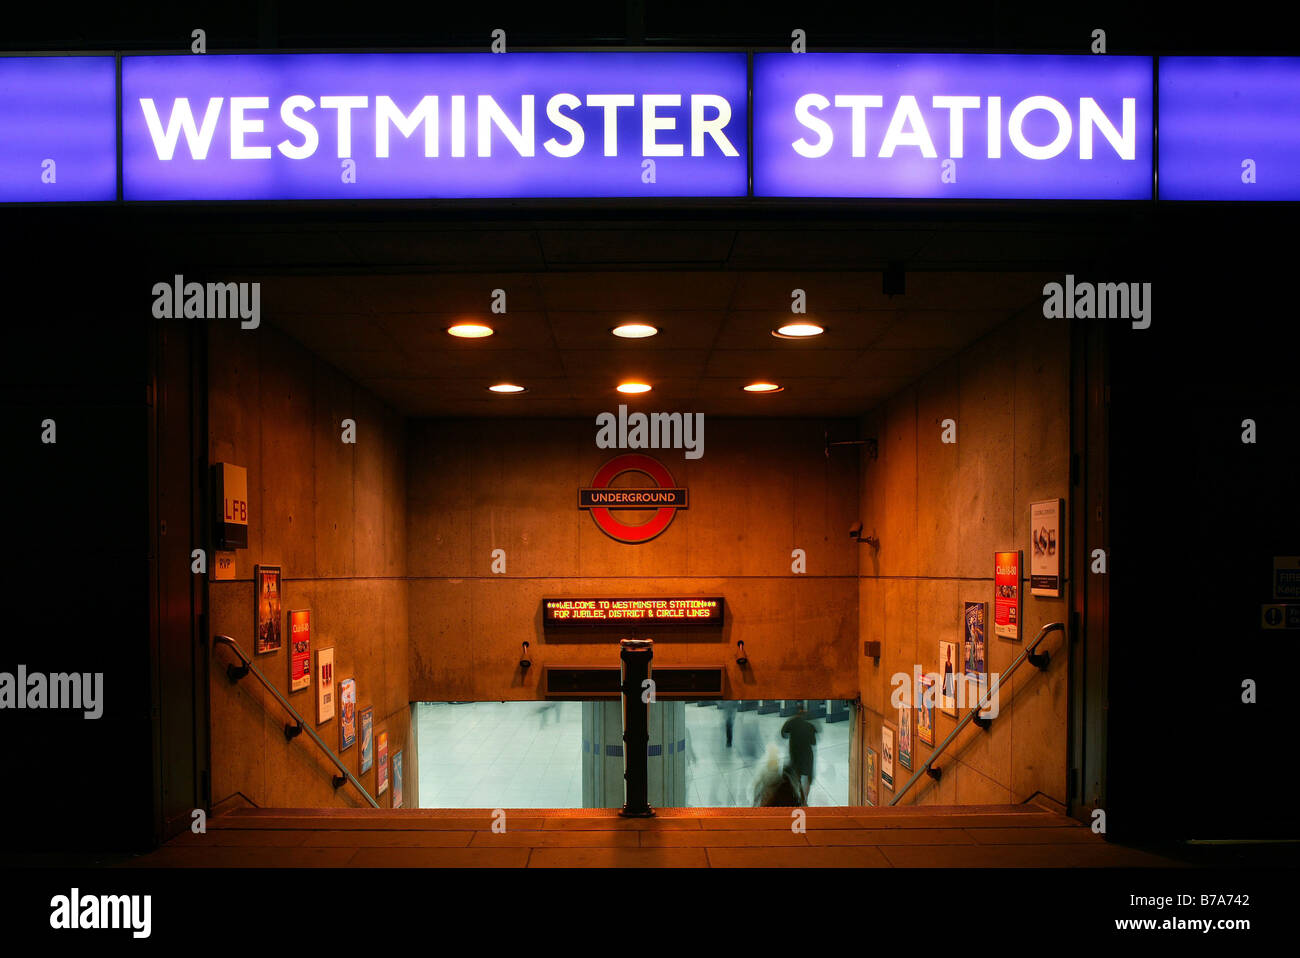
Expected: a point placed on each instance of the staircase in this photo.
(858, 837)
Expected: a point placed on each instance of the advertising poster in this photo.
(1006, 594)
(949, 669)
(887, 756)
(299, 649)
(974, 651)
(381, 785)
(905, 736)
(1045, 537)
(324, 685)
(397, 779)
(925, 710)
(1286, 577)
(347, 714)
(367, 739)
(869, 769)
(266, 579)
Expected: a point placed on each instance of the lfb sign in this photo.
(231, 495)
(953, 125)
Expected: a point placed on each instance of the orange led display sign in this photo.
(670, 611)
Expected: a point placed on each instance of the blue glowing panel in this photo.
(439, 125)
(58, 129)
(971, 126)
(1230, 128)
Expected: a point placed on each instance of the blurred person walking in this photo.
(777, 787)
(803, 739)
(729, 717)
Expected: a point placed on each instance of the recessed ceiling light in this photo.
(635, 330)
(798, 331)
(763, 388)
(470, 330)
(508, 388)
(634, 387)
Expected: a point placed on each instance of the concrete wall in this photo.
(941, 511)
(333, 516)
(762, 489)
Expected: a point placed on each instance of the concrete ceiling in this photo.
(387, 332)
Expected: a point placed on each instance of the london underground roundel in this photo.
(603, 501)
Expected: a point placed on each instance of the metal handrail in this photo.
(1038, 661)
(235, 673)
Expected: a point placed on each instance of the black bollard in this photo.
(635, 656)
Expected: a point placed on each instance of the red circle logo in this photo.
(665, 497)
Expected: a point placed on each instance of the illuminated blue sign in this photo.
(413, 125)
(1230, 128)
(58, 135)
(349, 126)
(940, 126)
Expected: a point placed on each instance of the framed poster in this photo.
(905, 737)
(869, 769)
(347, 714)
(926, 692)
(887, 756)
(1045, 537)
(949, 669)
(397, 779)
(1006, 594)
(367, 738)
(266, 580)
(299, 649)
(974, 650)
(324, 685)
(381, 784)
(1286, 577)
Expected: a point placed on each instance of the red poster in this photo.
(1006, 594)
(266, 637)
(299, 649)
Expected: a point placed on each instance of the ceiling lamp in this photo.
(508, 388)
(470, 330)
(634, 387)
(763, 388)
(634, 330)
(797, 331)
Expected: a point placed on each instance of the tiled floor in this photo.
(954, 836)
(529, 755)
